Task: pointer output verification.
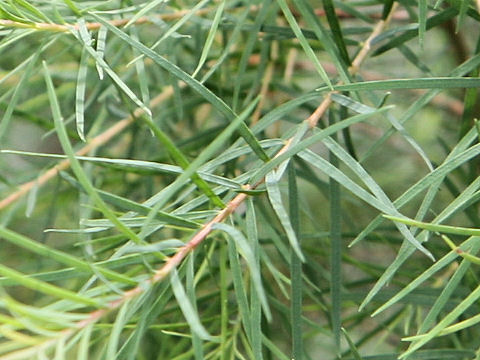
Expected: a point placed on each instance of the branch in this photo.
(53, 27)
(97, 141)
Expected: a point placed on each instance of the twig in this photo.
(263, 92)
(53, 27)
(359, 59)
(97, 141)
(290, 65)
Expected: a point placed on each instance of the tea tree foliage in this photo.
(239, 179)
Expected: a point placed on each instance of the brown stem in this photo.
(97, 141)
(94, 25)
(263, 92)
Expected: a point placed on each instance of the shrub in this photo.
(186, 180)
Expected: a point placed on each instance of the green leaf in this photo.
(275, 198)
(240, 291)
(210, 38)
(194, 84)
(80, 95)
(6, 14)
(33, 10)
(449, 290)
(402, 84)
(46, 288)
(190, 284)
(303, 41)
(351, 344)
(211, 149)
(76, 167)
(73, 7)
(101, 41)
(145, 9)
(267, 7)
(414, 59)
(336, 237)
(427, 274)
(101, 62)
(31, 200)
(22, 83)
(422, 21)
(464, 5)
(266, 168)
(114, 338)
(434, 227)
(374, 188)
(429, 180)
(157, 246)
(444, 322)
(313, 21)
(295, 268)
(336, 30)
(187, 309)
(431, 23)
(387, 8)
(84, 345)
(62, 257)
(178, 24)
(247, 253)
(148, 166)
(458, 156)
(255, 319)
(364, 109)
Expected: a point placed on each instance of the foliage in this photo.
(202, 180)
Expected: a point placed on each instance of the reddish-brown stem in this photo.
(97, 141)
(94, 25)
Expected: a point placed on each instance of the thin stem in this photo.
(267, 79)
(53, 27)
(360, 58)
(94, 143)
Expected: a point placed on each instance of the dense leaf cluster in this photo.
(238, 179)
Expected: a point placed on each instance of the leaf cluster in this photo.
(239, 179)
